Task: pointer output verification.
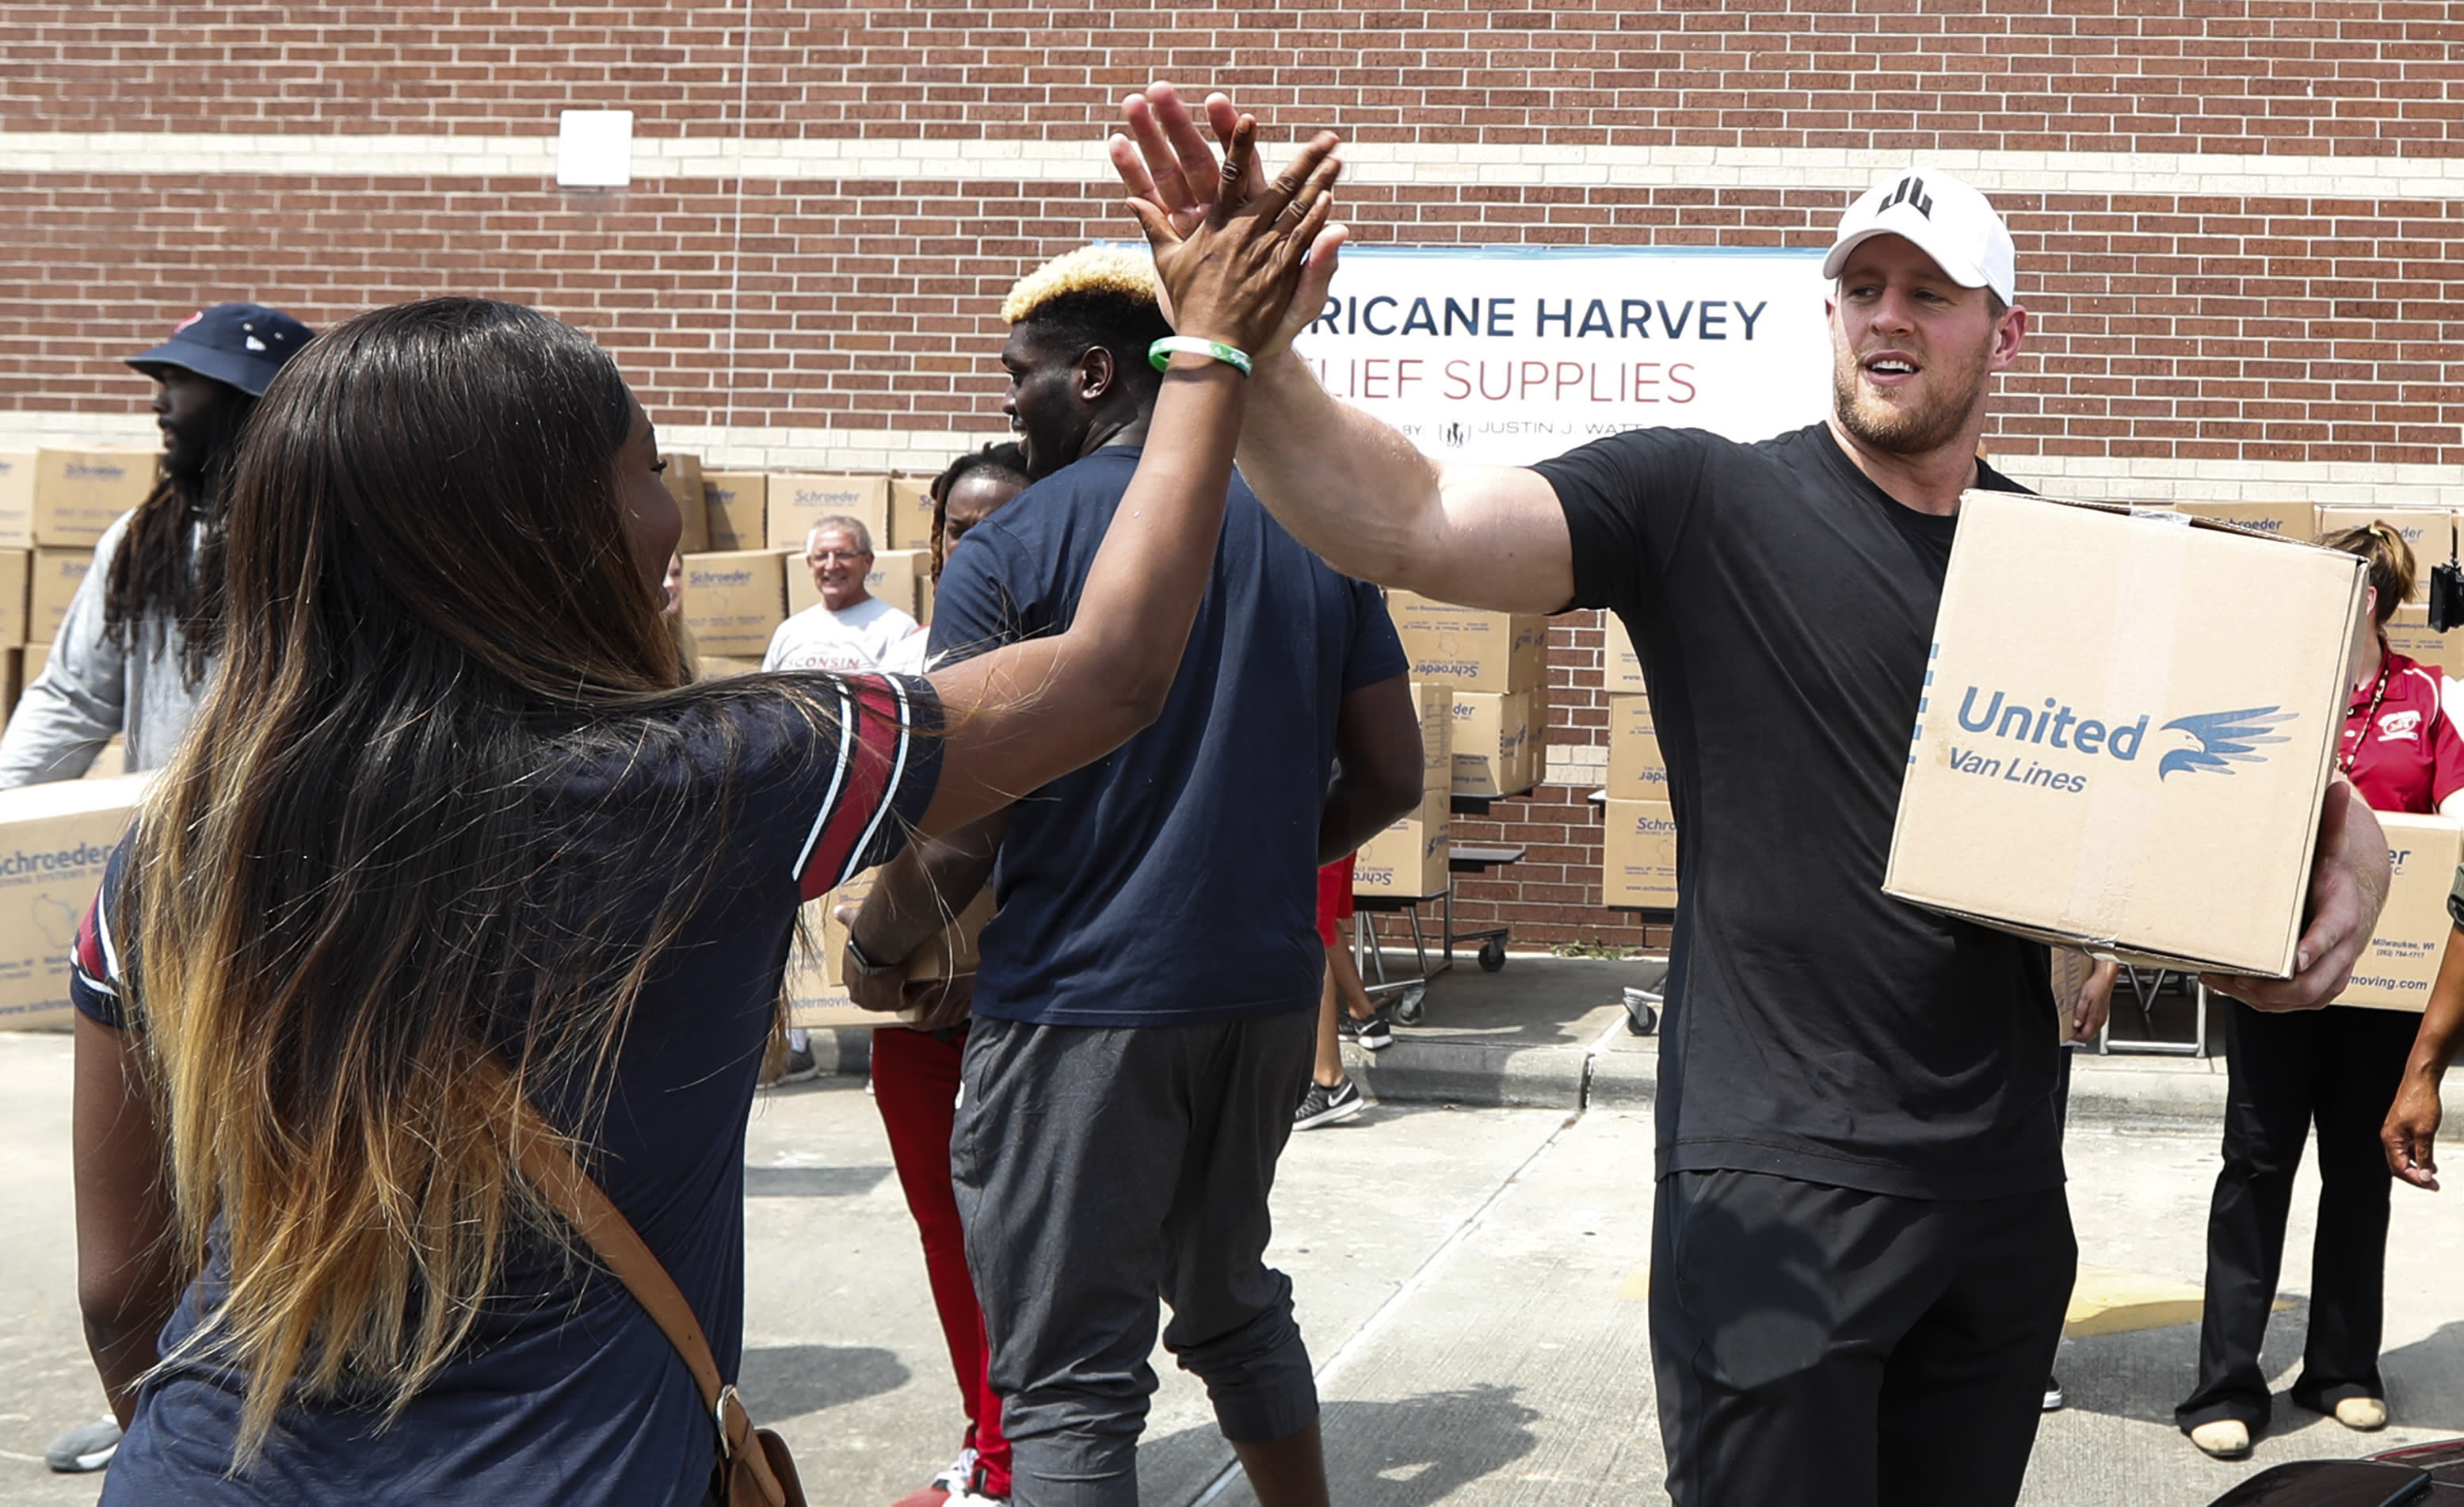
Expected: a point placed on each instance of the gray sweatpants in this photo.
(1097, 1169)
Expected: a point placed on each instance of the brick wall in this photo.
(2239, 221)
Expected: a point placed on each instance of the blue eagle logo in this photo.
(2225, 738)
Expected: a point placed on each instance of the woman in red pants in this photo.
(916, 1084)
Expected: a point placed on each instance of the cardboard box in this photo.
(899, 577)
(30, 664)
(16, 570)
(2410, 633)
(2423, 531)
(2111, 749)
(910, 513)
(2298, 521)
(12, 683)
(1409, 857)
(2404, 954)
(799, 501)
(16, 500)
(818, 995)
(718, 667)
(1501, 741)
(1638, 855)
(1636, 771)
(54, 841)
(80, 493)
(1620, 666)
(735, 510)
(1469, 649)
(1435, 706)
(734, 601)
(56, 575)
(685, 484)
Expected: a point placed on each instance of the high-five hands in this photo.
(1178, 186)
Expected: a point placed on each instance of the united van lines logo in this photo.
(2399, 727)
(2212, 742)
(2225, 738)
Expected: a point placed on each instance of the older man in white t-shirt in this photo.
(852, 629)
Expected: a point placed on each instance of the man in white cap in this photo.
(1861, 1250)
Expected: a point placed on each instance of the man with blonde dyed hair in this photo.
(1146, 1005)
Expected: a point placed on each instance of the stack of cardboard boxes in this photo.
(1408, 860)
(1494, 667)
(1639, 825)
(744, 547)
(55, 505)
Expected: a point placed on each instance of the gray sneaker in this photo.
(1324, 1107)
(87, 1447)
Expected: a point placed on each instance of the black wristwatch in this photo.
(861, 962)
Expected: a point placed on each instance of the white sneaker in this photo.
(2361, 1414)
(2226, 1439)
(955, 1476)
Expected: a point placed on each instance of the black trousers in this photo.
(1820, 1345)
(2341, 1068)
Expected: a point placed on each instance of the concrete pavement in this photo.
(1469, 1281)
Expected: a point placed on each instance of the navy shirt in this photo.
(569, 1392)
(1818, 1028)
(1174, 879)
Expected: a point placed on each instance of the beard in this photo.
(1894, 429)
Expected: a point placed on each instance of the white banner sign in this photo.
(1510, 354)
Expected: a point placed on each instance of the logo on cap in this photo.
(1910, 192)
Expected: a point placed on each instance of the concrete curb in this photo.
(1472, 1073)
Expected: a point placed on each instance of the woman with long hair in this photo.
(2338, 1068)
(455, 860)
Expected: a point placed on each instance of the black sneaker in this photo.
(1373, 1034)
(1324, 1107)
(87, 1447)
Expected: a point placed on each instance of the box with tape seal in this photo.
(2127, 728)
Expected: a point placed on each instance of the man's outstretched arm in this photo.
(1347, 486)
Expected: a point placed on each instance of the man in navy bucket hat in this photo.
(239, 344)
(133, 655)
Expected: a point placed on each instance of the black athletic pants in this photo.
(2340, 1066)
(1820, 1345)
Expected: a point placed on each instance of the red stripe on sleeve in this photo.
(874, 760)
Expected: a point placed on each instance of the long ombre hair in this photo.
(362, 938)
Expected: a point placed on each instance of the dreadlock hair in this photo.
(372, 894)
(1096, 296)
(1005, 458)
(170, 560)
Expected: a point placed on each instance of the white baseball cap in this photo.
(1947, 219)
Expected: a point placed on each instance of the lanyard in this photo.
(2378, 694)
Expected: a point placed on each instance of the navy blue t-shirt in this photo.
(1174, 879)
(569, 1392)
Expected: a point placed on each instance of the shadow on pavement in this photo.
(811, 1182)
(2424, 1389)
(2143, 1374)
(1406, 1454)
(788, 1380)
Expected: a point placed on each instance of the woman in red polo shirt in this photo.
(2339, 1067)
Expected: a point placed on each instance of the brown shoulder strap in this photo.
(550, 1166)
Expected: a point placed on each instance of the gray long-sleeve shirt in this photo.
(93, 689)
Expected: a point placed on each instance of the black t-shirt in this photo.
(1784, 608)
(568, 1392)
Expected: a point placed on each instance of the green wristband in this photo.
(1159, 354)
